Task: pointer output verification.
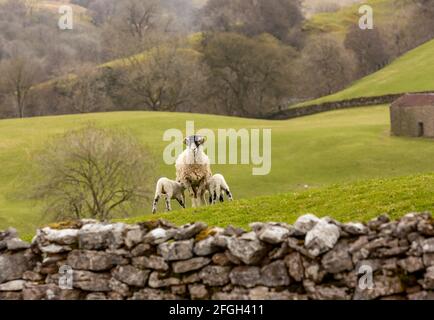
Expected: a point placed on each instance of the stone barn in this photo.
(412, 115)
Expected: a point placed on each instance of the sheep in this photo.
(217, 186)
(193, 169)
(171, 190)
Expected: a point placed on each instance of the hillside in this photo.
(360, 201)
(309, 152)
(412, 72)
(339, 21)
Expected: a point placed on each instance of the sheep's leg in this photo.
(181, 202)
(228, 192)
(154, 205)
(168, 207)
(214, 197)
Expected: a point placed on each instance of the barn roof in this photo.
(415, 100)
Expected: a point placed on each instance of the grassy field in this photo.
(334, 147)
(358, 201)
(412, 72)
(338, 22)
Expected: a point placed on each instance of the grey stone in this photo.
(63, 237)
(158, 280)
(119, 287)
(32, 276)
(428, 246)
(215, 275)
(190, 265)
(428, 280)
(198, 292)
(152, 262)
(134, 236)
(411, 264)
(14, 285)
(140, 250)
(246, 276)
(382, 286)
(16, 244)
(55, 248)
(13, 265)
(273, 233)
(305, 223)
(355, 228)
(98, 236)
(153, 294)
(96, 296)
(205, 247)
(49, 292)
(177, 250)
(426, 228)
(294, 264)
(325, 292)
(221, 259)
(428, 259)
(275, 274)
(91, 281)
(131, 275)
(338, 259)
(189, 231)
(321, 238)
(248, 251)
(158, 236)
(93, 260)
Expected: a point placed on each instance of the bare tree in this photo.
(248, 77)
(164, 78)
(326, 67)
(19, 74)
(85, 92)
(91, 172)
(369, 49)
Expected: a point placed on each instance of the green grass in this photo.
(338, 22)
(359, 201)
(334, 147)
(413, 72)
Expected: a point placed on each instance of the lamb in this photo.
(171, 190)
(193, 169)
(217, 186)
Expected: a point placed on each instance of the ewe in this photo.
(171, 190)
(217, 186)
(193, 169)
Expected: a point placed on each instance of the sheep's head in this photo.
(194, 142)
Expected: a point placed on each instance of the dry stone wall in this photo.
(312, 259)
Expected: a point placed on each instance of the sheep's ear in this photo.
(203, 140)
(185, 141)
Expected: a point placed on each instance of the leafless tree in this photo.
(19, 74)
(85, 92)
(248, 76)
(91, 172)
(369, 49)
(326, 67)
(163, 78)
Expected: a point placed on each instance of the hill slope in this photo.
(359, 201)
(339, 21)
(412, 72)
(333, 147)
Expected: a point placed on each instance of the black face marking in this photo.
(197, 140)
